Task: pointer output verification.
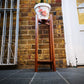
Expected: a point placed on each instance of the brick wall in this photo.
(26, 48)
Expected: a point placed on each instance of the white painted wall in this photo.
(71, 31)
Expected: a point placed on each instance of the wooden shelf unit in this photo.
(51, 44)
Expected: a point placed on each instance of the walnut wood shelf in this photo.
(44, 61)
(51, 62)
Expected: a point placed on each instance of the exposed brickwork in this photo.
(26, 49)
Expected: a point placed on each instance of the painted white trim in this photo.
(71, 30)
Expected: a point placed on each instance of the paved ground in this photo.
(27, 76)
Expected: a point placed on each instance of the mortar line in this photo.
(67, 82)
(9, 75)
(33, 78)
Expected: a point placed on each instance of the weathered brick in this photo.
(46, 41)
(43, 36)
(39, 51)
(43, 46)
(23, 42)
(32, 32)
(26, 49)
(26, 28)
(31, 41)
(46, 51)
(24, 14)
(31, 51)
(23, 32)
(24, 37)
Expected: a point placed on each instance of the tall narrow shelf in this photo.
(51, 62)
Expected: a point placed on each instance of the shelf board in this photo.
(44, 61)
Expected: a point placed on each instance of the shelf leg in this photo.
(36, 44)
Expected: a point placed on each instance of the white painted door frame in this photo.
(71, 31)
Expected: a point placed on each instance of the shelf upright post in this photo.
(36, 43)
(52, 41)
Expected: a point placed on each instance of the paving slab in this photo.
(48, 81)
(22, 75)
(28, 76)
(15, 81)
(47, 75)
(7, 73)
(73, 75)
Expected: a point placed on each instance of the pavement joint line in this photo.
(9, 75)
(33, 78)
(63, 77)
